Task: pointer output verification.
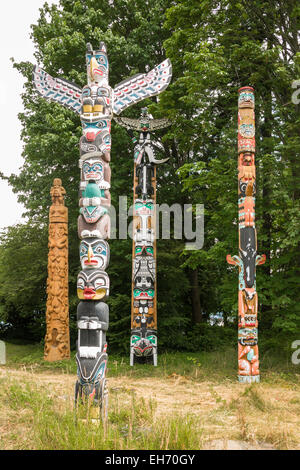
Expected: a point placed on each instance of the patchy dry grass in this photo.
(149, 408)
(216, 366)
(36, 412)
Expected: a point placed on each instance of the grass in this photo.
(190, 401)
(131, 423)
(215, 365)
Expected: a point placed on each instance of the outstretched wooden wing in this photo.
(142, 86)
(137, 124)
(57, 89)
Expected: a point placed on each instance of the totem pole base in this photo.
(54, 354)
(91, 402)
(155, 359)
(249, 379)
(131, 359)
(143, 359)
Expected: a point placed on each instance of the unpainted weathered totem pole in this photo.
(143, 343)
(248, 259)
(57, 340)
(96, 104)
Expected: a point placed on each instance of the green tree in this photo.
(133, 32)
(221, 46)
(215, 48)
(23, 274)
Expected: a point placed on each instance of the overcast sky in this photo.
(15, 20)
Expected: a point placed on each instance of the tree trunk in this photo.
(196, 304)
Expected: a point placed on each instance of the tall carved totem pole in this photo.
(143, 341)
(96, 104)
(57, 340)
(248, 259)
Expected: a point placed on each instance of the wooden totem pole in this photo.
(57, 340)
(248, 359)
(143, 343)
(96, 103)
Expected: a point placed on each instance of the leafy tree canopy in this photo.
(215, 48)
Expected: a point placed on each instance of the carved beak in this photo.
(90, 254)
(90, 261)
(158, 162)
(94, 68)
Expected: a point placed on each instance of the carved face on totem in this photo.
(247, 336)
(58, 235)
(144, 237)
(144, 282)
(144, 247)
(92, 169)
(92, 284)
(97, 64)
(144, 120)
(246, 98)
(144, 272)
(143, 343)
(100, 229)
(246, 139)
(246, 123)
(144, 207)
(57, 192)
(92, 212)
(96, 103)
(247, 159)
(143, 293)
(246, 173)
(94, 253)
(96, 135)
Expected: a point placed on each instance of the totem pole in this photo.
(143, 343)
(57, 340)
(96, 104)
(248, 360)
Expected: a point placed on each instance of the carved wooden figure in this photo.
(248, 359)
(57, 340)
(143, 342)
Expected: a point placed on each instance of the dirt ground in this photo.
(268, 417)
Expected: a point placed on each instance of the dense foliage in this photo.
(215, 48)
